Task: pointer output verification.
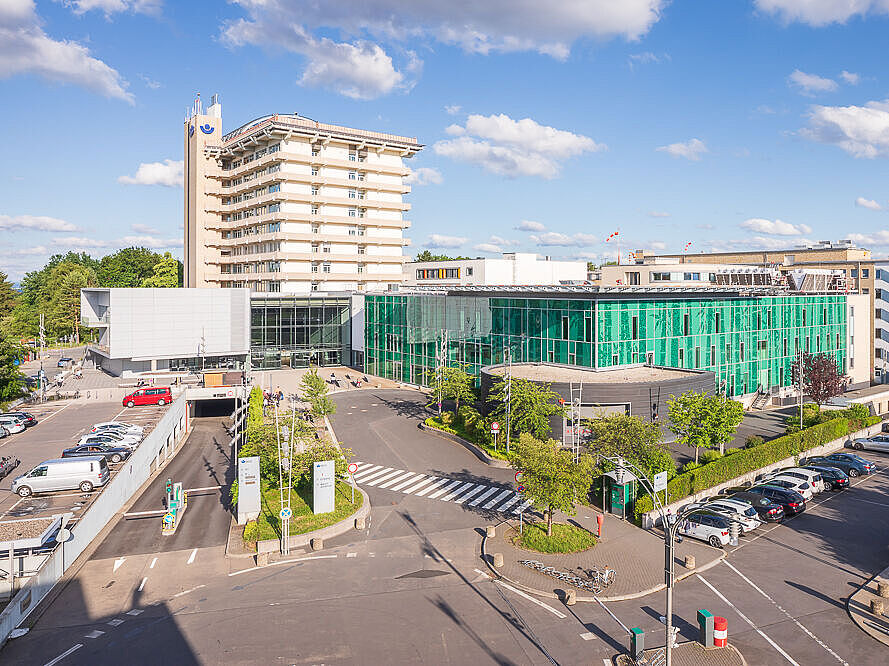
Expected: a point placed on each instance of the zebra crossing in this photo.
(445, 489)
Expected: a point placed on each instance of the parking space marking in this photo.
(64, 654)
(552, 610)
(588, 636)
(153, 562)
(747, 620)
(793, 619)
(95, 633)
(298, 559)
(184, 592)
(192, 556)
(142, 584)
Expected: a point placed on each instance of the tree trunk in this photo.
(696, 454)
(549, 522)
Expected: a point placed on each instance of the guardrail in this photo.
(148, 456)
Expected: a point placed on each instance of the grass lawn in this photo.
(457, 429)
(565, 538)
(268, 525)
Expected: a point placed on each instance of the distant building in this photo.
(513, 268)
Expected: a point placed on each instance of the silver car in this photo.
(13, 424)
(63, 474)
(873, 443)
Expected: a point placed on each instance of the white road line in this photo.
(450, 496)
(271, 564)
(116, 622)
(747, 620)
(497, 499)
(414, 478)
(19, 501)
(63, 655)
(153, 562)
(588, 636)
(142, 584)
(481, 498)
(472, 491)
(95, 633)
(134, 612)
(450, 486)
(117, 563)
(351, 554)
(192, 556)
(187, 591)
(521, 507)
(385, 477)
(398, 478)
(512, 500)
(425, 490)
(367, 470)
(373, 474)
(552, 610)
(793, 619)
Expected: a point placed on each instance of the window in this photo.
(728, 352)
(681, 358)
(353, 175)
(685, 326)
(817, 343)
(316, 228)
(635, 328)
(360, 268)
(326, 248)
(824, 315)
(588, 329)
(853, 273)
(742, 352)
(274, 287)
(362, 249)
(353, 212)
(325, 268)
(314, 171)
(804, 320)
(691, 276)
(633, 278)
(614, 359)
(315, 190)
(274, 187)
(717, 323)
(659, 277)
(838, 340)
(361, 176)
(314, 286)
(316, 151)
(564, 328)
(353, 157)
(697, 357)
(468, 271)
(807, 344)
(758, 320)
(315, 210)
(353, 194)
(712, 354)
(785, 347)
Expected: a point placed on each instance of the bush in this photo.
(753, 440)
(689, 466)
(447, 418)
(709, 456)
(731, 452)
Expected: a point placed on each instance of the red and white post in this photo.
(720, 631)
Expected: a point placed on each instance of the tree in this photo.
(128, 267)
(426, 255)
(531, 406)
(166, 273)
(702, 420)
(457, 385)
(10, 377)
(8, 295)
(821, 377)
(633, 439)
(64, 284)
(315, 391)
(553, 481)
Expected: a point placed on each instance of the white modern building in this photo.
(656, 273)
(514, 268)
(881, 323)
(144, 330)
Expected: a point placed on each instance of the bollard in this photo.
(600, 519)
(491, 531)
(689, 561)
(720, 631)
(570, 597)
(359, 523)
(262, 559)
(883, 589)
(317, 544)
(498, 560)
(876, 606)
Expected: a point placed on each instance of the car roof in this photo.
(730, 501)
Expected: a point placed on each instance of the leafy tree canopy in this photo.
(703, 420)
(633, 439)
(531, 406)
(426, 255)
(165, 273)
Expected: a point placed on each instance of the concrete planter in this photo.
(477, 451)
(305, 540)
(651, 518)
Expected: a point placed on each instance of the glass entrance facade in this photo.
(748, 341)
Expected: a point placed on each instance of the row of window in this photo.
(253, 248)
(262, 152)
(325, 248)
(440, 273)
(247, 177)
(246, 196)
(252, 267)
(268, 228)
(664, 276)
(252, 212)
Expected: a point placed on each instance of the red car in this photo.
(149, 396)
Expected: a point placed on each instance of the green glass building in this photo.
(748, 340)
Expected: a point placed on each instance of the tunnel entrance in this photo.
(213, 407)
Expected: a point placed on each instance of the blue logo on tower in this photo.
(190, 131)
(206, 128)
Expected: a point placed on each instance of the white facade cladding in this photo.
(514, 268)
(167, 329)
(881, 323)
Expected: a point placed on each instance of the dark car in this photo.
(112, 453)
(790, 500)
(65, 360)
(850, 463)
(767, 510)
(27, 419)
(834, 478)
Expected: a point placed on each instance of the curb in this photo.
(473, 449)
(860, 618)
(619, 597)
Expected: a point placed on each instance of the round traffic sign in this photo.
(495, 426)
(518, 476)
(286, 513)
(521, 488)
(353, 467)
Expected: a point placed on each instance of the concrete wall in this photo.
(860, 341)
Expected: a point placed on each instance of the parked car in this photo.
(63, 474)
(745, 514)
(834, 478)
(12, 423)
(850, 463)
(768, 510)
(111, 430)
(873, 443)
(28, 420)
(131, 428)
(114, 454)
(791, 483)
(809, 476)
(129, 441)
(711, 527)
(790, 500)
(7, 464)
(149, 396)
(64, 361)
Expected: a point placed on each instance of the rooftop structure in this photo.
(513, 268)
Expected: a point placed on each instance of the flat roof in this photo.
(597, 292)
(554, 372)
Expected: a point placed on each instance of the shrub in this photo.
(447, 418)
(753, 440)
(252, 531)
(709, 456)
(731, 452)
(689, 466)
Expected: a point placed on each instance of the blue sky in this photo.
(754, 123)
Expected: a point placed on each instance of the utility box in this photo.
(637, 644)
(622, 497)
(706, 625)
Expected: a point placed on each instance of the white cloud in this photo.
(423, 176)
(757, 243)
(553, 238)
(880, 238)
(440, 240)
(690, 150)
(658, 213)
(657, 245)
(488, 247)
(530, 225)
(452, 109)
(34, 223)
(505, 242)
(144, 229)
(775, 227)
(821, 12)
(144, 240)
(870, 204)
(850, 77)
(38, 250)
(646, 58)
(512, 148)
(167, 173)
(26, 49)
(109, 7)
(862, 131)
(79, 241)
(149, 82)
(149, 241)
(809, 84)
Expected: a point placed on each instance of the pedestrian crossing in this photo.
(445, 489)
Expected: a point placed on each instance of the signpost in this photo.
(495, 428)
(248, 489)
(520, 489)
(660, 481)
(323, 481)
(352, 469)
(286, 513)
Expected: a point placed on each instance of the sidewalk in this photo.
(288, 379)
(636, 555)
(858, 607)
(691, 654)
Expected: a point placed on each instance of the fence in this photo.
(159, 445)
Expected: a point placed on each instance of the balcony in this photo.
(92, 321)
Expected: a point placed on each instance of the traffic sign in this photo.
(286, 513)
(518, 476)
(521, 488)
(353, 468)
(660, 481)
(495, 427)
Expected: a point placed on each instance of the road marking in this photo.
(470, 493)
(95, 633)
(450, 496)
(367, 470)
(116, 622)
(413, 479)
(858, 499)
(481, 498)
(512, 501)
(378, 476)
(153, 562)
(118, 562)
(521, 507)
(795, 621)
(425, 490)
(552, 610)
(135, 612)
(747, 620)
(588, 636)
(442, 486)
(195, 490)
(396, 479)
(385, 477)
(142, 584)
(187, 591)
(63, 655)
(497, 499)
(351, 554)
(298, 559)
(192, 556)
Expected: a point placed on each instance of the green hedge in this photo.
(748, 460)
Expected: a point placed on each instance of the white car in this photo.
(741, 511)
(129, 428)
(12, 424)
(791, 483)
(129, 441)
(873, 443)
(810, 475)
(710, 527)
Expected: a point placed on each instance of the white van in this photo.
(64, 474)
